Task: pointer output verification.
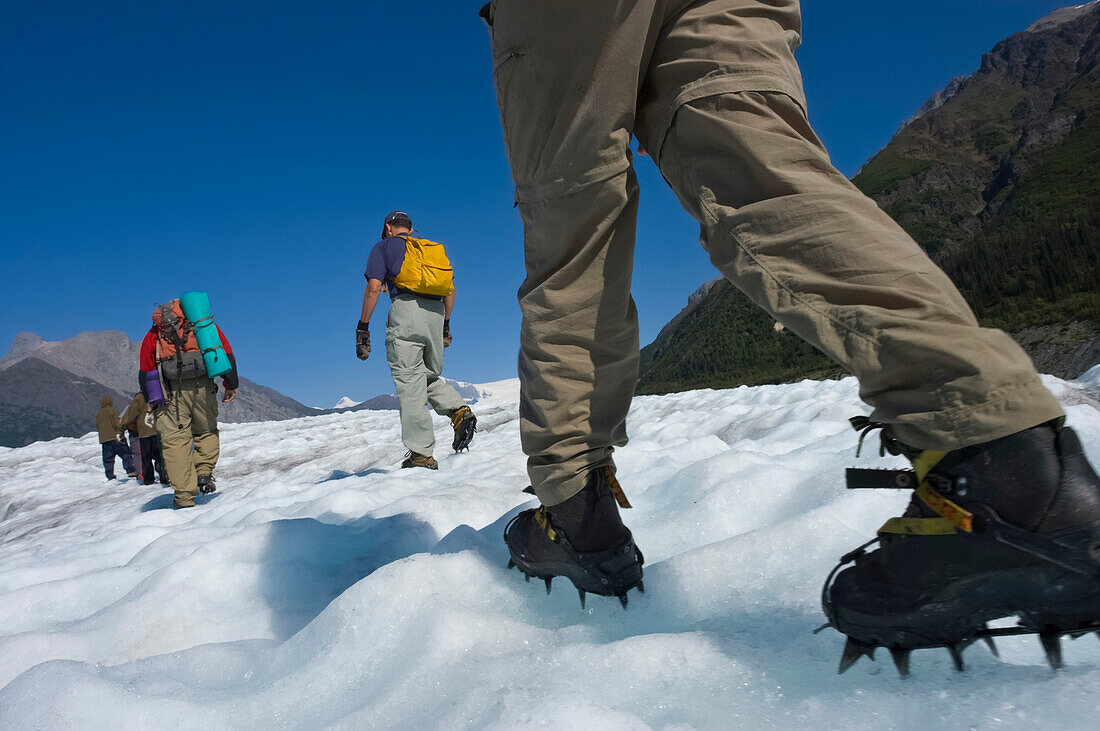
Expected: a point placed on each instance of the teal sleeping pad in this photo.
(196, 308)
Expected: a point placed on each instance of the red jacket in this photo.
(147, 360)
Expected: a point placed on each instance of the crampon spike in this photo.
(956, 648)
(1052, 646)
(622, 600)
(901, 659)
(548, 581)
(992, 646)
(511, 564)
(854, 650)
(641, 588)
(527, 577)
(581, 593)
(823, 627)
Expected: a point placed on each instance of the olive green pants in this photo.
(414, 350)
(713, 93)
(188, 426)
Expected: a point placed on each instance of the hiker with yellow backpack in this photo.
(420, 282)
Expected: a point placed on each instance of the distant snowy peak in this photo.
(345, 403)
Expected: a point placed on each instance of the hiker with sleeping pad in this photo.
(1005, 518)
(187, 421)
(419, 279)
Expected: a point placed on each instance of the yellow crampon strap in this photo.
(543, 521)
(952, 517)
(616, 488)
(459, 415)
(925, 461)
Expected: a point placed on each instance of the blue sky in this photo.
(251, 149)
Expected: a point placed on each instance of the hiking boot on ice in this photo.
(465, 424)
(582, 539)
(412, 459)
(206, 484)
(1009, 527)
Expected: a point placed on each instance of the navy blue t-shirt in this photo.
(385, 262)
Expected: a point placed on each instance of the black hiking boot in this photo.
(206, 484)
(412, 459)
(465, 424)
(1009, 527)
(582, 539)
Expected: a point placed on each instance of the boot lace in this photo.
(888, 440)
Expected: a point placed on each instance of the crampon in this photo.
(613, 572)
(464, 424)
(974, 548)
(541, 542)
(1049, 625)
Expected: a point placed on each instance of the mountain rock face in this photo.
(998, 178)
(52, 389)
(109, 357)
(39, 401)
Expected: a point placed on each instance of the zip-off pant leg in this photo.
(174, 427)
(137, 457)
(442, 396)
(574, 79)
(108, 453)
(806, 245)
(566, 75)
(204, 428)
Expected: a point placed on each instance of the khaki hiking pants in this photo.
(188, 426)
(414, 350)
(713, 93)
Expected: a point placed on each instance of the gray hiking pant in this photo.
(414, 350)
(713, 93)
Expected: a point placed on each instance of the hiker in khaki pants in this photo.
(188, 428)
(187, 420)
(712, 92)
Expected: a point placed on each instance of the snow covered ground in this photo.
(324, 587)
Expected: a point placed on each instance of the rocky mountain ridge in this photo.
(997, 176)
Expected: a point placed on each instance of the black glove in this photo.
(447, 339)
(362, 341)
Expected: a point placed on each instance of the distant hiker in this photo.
(419, 279)
(143, 432)
(1005, 518)
(111, 440)
(187, 421)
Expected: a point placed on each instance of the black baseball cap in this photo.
(398, 217)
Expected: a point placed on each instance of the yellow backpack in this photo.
(426, 269)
